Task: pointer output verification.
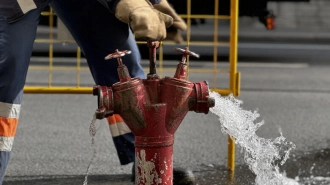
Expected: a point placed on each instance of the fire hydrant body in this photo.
(153, 109)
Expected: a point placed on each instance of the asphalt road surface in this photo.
(289, 87)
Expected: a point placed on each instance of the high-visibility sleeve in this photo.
(9, 114)
(117, 125)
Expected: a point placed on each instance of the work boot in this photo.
(181, 176)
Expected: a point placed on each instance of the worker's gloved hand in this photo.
(166, 8)
(174, 31)
(174, 34)
(145, 21)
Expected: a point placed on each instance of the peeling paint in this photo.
(166, 167)
(148, 174)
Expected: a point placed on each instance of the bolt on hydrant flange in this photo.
(153, 109)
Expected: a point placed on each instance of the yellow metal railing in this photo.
(234, 76)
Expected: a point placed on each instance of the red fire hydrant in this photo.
(153, 109)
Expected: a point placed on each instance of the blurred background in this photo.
(281, 69)
(259, 20)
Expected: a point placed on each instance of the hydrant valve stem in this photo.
(153, 45)
(181, 70)
(122, 69)
(185, 52)
(117, 54)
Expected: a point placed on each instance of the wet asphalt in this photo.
(306, 168)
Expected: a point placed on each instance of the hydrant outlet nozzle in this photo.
(105, 101)
(211, 102)
(203, 100)
(100, 113)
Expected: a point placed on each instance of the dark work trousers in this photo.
(97, 32)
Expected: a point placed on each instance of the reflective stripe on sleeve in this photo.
(6, 143)
(114, 119)
(8, 126)
(117, 126)
(9, 114)
(8, 110)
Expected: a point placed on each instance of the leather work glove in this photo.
(174, 31)
(174, 34)
(166, 8)
(145, 21)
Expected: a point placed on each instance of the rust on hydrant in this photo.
(153, 109)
